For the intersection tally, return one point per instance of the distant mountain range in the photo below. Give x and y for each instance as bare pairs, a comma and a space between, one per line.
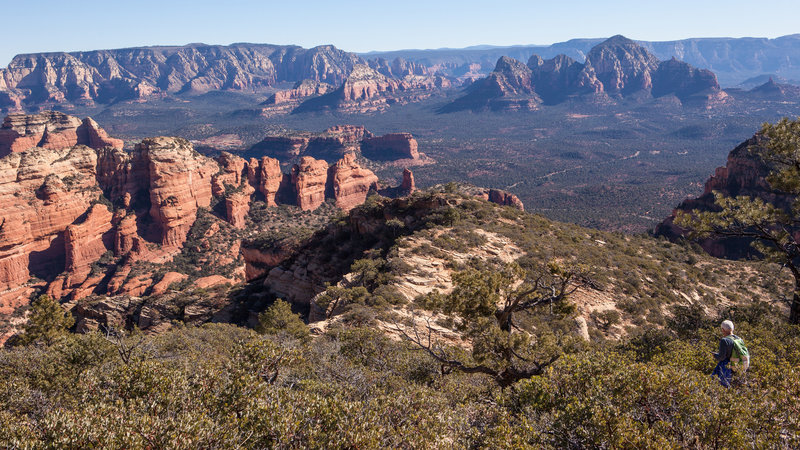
733, 60
613, 69
326, 78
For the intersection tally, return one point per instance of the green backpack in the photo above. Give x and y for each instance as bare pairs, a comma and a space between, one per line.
740, 357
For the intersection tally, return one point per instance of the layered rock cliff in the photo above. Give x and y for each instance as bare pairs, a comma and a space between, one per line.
283, 102
42, 192
367, 90
351, 182
107, 76
309, 178
77, 221
335, 142
51, 130
179, 184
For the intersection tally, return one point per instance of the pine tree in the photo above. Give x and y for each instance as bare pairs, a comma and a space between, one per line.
46, 322
279, 319
774, 230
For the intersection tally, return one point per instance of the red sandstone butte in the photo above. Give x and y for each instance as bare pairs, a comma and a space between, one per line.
309, 178
237, 205
270, 180
351, 182
390, 147
503, 198
180, 182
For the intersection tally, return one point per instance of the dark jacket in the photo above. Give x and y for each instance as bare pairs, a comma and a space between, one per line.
725, 348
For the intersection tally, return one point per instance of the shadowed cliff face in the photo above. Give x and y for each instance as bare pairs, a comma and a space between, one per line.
743, 175
621, 65
508, 87
614, 69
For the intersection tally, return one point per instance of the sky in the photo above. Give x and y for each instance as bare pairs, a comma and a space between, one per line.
359, 25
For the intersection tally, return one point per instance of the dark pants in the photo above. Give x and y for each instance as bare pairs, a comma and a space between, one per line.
724, 373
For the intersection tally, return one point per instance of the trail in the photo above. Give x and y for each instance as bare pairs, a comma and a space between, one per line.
570, 169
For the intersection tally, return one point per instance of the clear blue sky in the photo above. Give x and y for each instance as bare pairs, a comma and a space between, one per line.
360, 25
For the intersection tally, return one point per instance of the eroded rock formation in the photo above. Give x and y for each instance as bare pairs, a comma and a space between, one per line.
309, 178
614, 69
503, 198
743, 174
81, 221
335, 142
42, 192
390, 147
51, 130
351, 182
107, 76
366, 89
508, 87
179, 183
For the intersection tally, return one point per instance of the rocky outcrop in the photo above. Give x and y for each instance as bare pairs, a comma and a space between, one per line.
408, 186
51, 130
367, 90
398, 68
87, 240
96, 137
167, 280
60, 234
508, 87
180, 182
743, 175
621, 65
390, 147
330, 145
773, 91
503, 198
108, 76
301, 90
692, 86
557, 78
259, 261
351, 182
283, 102
231, 175
283, 147
309, 178
154, 313
271, 180
237, 205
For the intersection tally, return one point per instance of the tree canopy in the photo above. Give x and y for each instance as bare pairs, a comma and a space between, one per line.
774, 230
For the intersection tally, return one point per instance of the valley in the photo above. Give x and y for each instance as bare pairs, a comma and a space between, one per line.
271, 246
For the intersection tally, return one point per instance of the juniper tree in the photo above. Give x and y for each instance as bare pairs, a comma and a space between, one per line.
487, 303
775, 230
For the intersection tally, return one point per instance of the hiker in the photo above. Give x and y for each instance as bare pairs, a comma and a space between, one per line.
732, 355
